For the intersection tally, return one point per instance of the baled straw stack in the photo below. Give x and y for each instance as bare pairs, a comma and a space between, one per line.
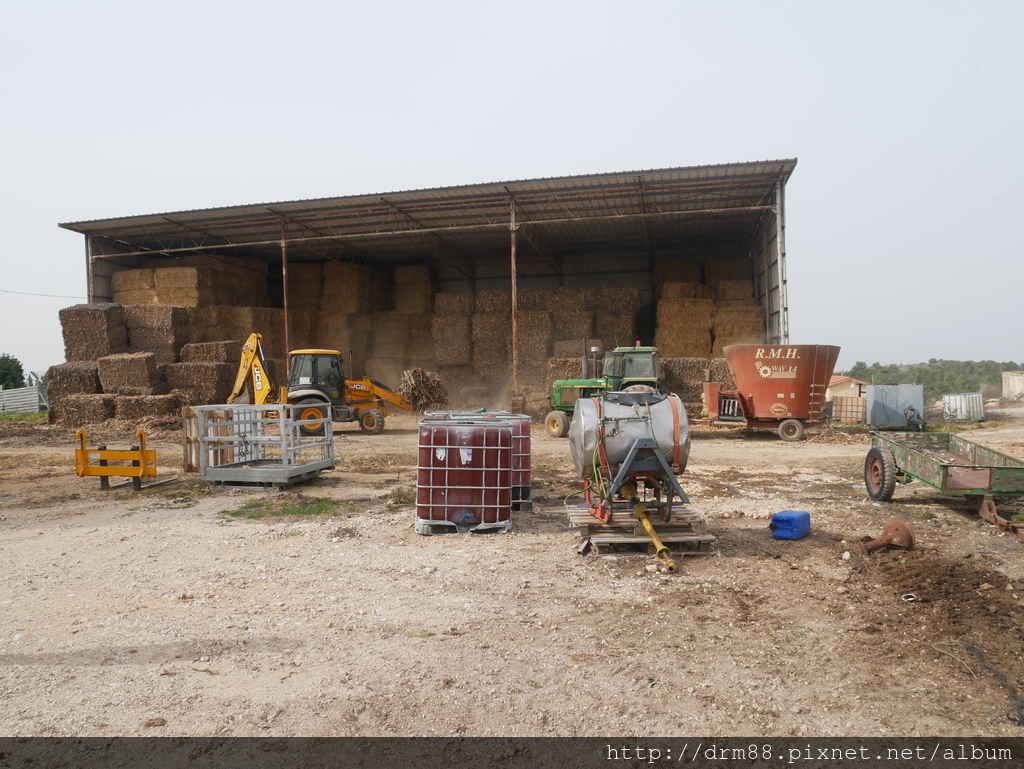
133, 373
305, 285
729, 268
686, 376
534, 342
158, 329
72, 379
456, 380
461, 304
423, 389
675, 271
192, 286
225, 351
349, 334
414, 289
135, 408
391, 332
352, 288
732, 289
684, 328
387, 371
452, 337
200, 384
738, 325
616, 329
210, 280
613, 298
535, 300
134, 287
572, 312
491, 339
81, 410
494, 302
92, 331
563, 368
680, 290
573, 348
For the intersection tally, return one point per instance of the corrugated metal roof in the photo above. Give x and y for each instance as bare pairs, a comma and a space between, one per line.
623, 211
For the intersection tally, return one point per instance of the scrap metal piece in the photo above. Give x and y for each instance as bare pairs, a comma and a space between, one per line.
896, 535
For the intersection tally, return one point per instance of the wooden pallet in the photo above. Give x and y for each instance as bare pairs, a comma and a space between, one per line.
684, 534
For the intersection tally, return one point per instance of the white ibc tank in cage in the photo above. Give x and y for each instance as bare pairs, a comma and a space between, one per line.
617, 420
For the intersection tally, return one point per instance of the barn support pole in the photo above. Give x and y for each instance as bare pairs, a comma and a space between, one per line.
515, 306
780, 256
91, 293
284, 290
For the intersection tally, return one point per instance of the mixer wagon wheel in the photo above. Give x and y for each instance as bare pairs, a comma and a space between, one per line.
791, 430
880, 474
557, 424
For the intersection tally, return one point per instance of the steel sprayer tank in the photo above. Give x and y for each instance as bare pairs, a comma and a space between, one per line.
614, 422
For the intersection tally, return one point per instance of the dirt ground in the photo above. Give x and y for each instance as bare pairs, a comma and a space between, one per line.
162, 613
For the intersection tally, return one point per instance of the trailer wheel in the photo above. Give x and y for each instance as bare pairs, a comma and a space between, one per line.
371, 422
880, 474
791, 430
557, 424
312, 409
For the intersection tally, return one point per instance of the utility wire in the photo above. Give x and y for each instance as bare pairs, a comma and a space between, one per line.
26, 293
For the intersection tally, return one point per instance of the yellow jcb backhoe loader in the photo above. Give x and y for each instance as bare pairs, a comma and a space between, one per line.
318, 384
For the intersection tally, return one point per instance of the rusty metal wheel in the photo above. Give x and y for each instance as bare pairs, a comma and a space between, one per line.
880, 474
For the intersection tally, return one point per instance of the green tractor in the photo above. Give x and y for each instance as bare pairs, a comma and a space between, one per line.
625, 368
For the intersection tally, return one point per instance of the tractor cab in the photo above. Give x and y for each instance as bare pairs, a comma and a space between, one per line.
319, 371
628, 366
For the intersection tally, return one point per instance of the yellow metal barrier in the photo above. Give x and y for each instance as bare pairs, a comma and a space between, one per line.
143, 461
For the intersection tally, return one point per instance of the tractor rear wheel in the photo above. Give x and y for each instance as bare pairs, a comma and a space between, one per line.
557, 424
311, 408
371, 421
791, 430
880, 474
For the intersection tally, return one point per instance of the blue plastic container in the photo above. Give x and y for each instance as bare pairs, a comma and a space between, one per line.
790, 524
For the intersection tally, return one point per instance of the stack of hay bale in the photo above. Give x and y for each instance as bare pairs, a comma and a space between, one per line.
713, 307
158, 329
206, 373
452, 337
401, 339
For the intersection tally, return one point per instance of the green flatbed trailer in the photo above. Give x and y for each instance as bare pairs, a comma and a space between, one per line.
947, 463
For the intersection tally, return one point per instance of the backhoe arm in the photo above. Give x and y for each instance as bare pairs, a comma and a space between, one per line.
363, 390
252, 371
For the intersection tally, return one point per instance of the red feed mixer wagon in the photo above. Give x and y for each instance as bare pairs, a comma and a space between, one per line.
773, 386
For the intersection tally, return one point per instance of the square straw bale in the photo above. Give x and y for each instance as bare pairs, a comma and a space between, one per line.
413, 273
387, 371
352, 288
81, 410
625, 298
452, 340
391, 331
680, 290
132, 280
679, 341
569, 348
491, 339
729, 268
675, 271
72, 379
133, 373
135, 408
563, 368
732, 289
202, 383
494, 302
225, 351
92, 331
455, 303
414, 298
534, 337
535, 300
617, 329
686, 376
305, 286
693, 313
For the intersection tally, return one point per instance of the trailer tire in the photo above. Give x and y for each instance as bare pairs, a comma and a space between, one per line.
880, 474
312, 408
557, 424
371, 422
791, 430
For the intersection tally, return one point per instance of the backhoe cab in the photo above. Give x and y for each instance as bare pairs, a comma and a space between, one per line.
317, 383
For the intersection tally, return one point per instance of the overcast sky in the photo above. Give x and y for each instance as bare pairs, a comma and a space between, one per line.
903, 242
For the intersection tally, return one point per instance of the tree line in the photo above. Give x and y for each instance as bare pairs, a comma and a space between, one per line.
939, 377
